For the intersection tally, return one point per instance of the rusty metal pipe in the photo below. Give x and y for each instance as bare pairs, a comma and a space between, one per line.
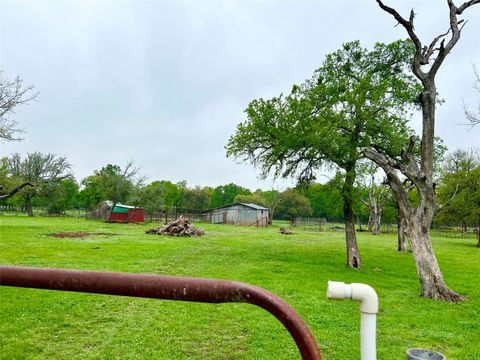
167, 288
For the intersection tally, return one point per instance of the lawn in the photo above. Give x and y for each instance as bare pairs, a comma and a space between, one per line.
42, 324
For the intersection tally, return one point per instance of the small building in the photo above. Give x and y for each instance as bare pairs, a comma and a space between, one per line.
120, 213
240, 214
126, 213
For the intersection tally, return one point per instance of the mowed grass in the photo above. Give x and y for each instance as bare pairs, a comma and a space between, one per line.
42, 324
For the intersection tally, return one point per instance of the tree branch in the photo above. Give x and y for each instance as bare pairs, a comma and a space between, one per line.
392, 178
411, 170
14, 191
408, 25
441, 206
428, 52
445, 49
466, 5
365, 202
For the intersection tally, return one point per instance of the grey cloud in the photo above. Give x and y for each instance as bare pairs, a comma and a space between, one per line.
165, 83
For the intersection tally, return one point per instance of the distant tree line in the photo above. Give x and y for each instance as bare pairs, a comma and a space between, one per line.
54, 189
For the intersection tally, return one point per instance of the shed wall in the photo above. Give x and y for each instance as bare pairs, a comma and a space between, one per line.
133, 215
240, 215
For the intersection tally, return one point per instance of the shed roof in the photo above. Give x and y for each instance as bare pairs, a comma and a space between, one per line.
252, 206
118, 205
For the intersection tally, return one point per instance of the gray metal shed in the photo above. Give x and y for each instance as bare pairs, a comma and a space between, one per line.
240, 214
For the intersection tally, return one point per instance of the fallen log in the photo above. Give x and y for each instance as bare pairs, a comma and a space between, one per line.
285, 231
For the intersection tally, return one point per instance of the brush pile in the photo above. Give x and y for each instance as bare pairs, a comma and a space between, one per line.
179, 227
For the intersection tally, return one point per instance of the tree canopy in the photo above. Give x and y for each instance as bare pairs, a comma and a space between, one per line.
358, 97
355, 99
292, 204
459, 190
111, 182
225, 194
41, 170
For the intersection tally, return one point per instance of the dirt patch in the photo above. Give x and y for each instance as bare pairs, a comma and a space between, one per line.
78, 234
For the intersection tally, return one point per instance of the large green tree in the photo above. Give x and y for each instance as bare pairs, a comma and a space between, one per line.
61, 196
356, 98
292, 204
459, 190
41, 170
225, 194
425, 64
9, 185
256, 198
110, 183
162, 195
196, 199
326, 199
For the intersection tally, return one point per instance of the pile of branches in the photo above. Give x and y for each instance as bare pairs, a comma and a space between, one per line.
179, 227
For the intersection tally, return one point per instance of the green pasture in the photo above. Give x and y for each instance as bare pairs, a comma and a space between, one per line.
41, 324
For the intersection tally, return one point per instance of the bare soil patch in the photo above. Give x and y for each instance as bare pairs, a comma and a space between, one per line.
78, 234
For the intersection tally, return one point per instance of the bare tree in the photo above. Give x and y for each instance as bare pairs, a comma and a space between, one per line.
426, 63
12, 94
376, 197
473, 117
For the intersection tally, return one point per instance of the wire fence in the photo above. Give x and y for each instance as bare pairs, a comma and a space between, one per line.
323, 224
304, 223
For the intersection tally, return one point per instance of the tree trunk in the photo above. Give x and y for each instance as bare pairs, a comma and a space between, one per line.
28, 205
418, 226
270, 213
375, 215
370, 220
353, 255
431, 278
377, 220
359, 222
401, 229
478, 235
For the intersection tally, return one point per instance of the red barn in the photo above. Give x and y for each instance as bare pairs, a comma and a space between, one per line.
126, 213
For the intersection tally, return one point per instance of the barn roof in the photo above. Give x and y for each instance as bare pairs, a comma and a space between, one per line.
252, 206
118, 205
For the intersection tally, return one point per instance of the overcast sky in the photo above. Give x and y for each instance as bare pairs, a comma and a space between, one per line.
166, 83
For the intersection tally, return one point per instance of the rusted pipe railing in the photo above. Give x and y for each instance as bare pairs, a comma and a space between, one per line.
168, 288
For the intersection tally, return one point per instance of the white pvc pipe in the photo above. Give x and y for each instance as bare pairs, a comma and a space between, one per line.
368, 327
368, 307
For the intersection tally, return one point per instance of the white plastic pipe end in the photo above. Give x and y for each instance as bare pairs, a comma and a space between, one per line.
364, 293
337, 290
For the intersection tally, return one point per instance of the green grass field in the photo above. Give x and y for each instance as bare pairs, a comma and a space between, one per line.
41, 324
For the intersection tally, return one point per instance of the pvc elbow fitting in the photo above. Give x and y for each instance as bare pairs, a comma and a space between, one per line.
364, 293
